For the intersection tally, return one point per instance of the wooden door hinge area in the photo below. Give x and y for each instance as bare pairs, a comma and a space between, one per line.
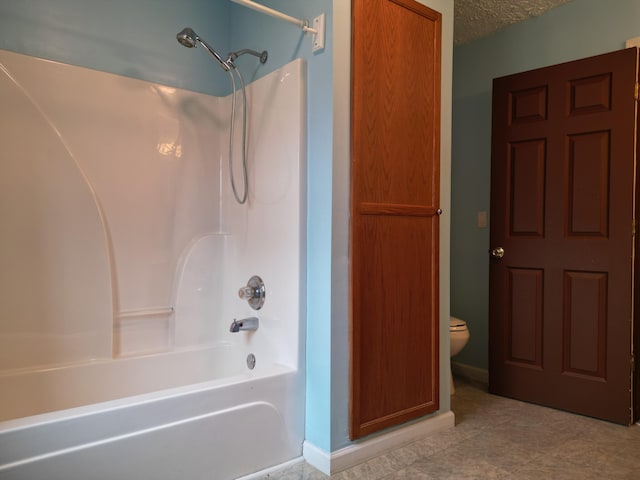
637, 93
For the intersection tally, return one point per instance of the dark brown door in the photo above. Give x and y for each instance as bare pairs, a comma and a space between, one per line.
562, 235
394, 222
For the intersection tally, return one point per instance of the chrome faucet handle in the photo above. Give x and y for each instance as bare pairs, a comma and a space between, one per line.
254, 292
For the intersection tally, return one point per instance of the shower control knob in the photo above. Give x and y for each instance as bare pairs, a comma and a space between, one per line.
254, 292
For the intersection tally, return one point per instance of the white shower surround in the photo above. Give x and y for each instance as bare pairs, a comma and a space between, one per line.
138, 217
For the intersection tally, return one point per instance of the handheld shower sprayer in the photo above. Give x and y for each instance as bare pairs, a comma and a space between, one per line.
188, 38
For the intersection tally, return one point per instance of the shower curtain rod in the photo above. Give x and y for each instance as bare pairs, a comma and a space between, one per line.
303, 24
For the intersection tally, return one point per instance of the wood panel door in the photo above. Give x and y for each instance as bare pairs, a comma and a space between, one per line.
394, 222
562, 235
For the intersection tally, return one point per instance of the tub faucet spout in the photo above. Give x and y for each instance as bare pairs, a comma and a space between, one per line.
245, 324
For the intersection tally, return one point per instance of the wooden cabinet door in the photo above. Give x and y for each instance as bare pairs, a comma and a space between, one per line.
394, 221
562, 211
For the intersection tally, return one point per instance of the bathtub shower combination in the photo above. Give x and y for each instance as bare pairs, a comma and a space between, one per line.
125, 349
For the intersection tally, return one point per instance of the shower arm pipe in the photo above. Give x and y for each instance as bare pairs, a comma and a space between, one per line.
303, 24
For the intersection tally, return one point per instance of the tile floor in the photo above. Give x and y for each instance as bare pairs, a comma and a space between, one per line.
499, 438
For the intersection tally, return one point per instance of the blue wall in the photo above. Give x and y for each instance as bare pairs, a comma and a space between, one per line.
137, 39
577, 29
132, 38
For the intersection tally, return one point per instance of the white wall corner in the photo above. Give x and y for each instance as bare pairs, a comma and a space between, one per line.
361, 451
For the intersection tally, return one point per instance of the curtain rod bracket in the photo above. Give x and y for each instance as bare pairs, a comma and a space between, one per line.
307, 29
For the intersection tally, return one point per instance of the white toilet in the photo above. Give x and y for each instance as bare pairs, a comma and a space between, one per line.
459, 335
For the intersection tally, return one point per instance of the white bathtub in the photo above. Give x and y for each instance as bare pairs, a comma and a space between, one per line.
193, 426
120, 272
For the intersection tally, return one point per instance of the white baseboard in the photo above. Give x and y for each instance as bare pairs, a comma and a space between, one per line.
472, 373
319, 458
359, 452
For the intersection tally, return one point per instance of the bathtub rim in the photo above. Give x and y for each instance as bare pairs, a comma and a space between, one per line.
78, 412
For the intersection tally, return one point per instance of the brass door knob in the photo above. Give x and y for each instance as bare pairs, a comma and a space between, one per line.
497, 252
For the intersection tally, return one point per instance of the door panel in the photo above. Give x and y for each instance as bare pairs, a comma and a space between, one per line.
527, 167
398, 371
524, 322
585, 322
588, 184
395, 174
562, 208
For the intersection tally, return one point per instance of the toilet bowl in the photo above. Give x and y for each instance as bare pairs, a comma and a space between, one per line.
459, 335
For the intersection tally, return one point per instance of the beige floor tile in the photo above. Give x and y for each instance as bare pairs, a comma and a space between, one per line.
499, 438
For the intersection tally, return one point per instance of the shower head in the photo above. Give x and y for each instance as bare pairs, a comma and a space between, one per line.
188, 38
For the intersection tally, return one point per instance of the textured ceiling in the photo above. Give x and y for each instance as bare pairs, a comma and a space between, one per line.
478, 18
